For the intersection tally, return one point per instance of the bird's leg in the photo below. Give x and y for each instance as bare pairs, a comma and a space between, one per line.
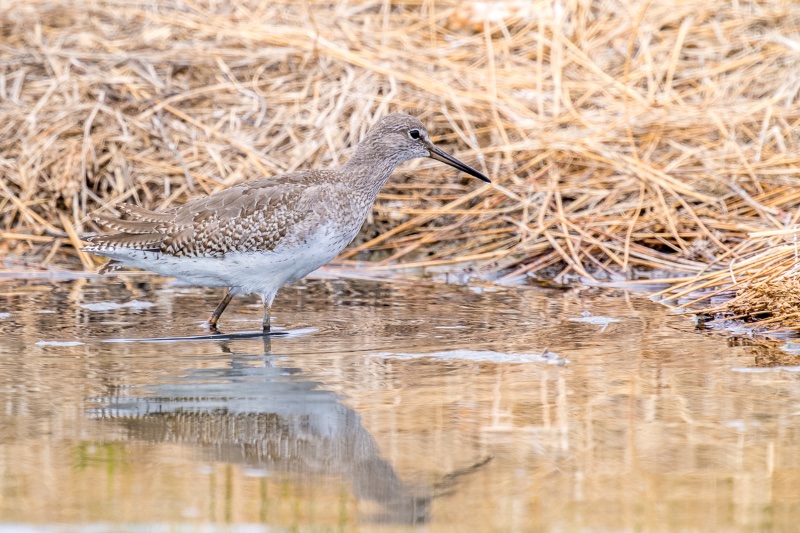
265, 322
212, 321
266, 300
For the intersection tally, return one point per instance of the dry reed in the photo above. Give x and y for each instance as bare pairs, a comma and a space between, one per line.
761, 290
623, 137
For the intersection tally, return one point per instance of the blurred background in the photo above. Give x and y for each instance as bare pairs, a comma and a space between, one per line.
623, 136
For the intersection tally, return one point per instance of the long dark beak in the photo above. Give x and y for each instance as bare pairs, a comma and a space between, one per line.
444, 157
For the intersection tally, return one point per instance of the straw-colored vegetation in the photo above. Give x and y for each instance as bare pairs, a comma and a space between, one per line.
622, 136
762, 289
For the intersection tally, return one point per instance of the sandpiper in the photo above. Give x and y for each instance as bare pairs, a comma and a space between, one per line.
261, 235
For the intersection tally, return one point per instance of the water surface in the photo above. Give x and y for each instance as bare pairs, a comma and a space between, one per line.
391, 406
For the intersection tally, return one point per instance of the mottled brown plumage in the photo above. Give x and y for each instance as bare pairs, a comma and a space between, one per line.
263, 234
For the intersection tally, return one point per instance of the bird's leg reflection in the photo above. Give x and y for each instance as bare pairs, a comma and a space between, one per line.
225, 346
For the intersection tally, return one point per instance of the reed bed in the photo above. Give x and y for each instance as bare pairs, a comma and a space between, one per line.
625, 139
761, 291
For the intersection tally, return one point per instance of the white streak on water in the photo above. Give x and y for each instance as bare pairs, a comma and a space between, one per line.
602, 321
480, 356
136, 305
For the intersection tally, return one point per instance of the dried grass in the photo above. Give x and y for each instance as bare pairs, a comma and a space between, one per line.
622, 136
762, 290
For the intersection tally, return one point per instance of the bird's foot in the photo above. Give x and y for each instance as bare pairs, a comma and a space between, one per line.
211, 324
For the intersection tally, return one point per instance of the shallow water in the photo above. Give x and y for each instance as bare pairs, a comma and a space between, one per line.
392, 406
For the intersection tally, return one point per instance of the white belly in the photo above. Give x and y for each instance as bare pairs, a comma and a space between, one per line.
244, 272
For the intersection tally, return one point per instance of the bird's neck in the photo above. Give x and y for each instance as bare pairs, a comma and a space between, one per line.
369, 170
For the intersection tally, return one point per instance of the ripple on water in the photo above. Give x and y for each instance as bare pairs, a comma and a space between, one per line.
510, 409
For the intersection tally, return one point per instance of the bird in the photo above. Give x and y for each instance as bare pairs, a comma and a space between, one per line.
261, 235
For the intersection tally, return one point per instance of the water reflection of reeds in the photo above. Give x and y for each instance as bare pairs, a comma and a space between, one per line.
646, 428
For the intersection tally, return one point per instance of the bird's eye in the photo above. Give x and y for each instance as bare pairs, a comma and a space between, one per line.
414, 134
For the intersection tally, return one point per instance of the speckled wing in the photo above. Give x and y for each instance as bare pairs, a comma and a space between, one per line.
255, 216
252, 217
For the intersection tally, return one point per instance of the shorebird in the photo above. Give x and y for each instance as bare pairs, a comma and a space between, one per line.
261, 235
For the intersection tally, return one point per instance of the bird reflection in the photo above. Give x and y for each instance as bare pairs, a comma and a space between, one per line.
260, 415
